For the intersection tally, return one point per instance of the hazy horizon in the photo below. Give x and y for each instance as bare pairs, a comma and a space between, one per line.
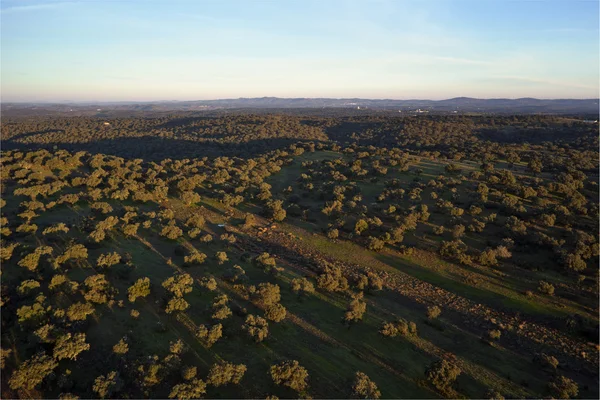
148, 51
282, 98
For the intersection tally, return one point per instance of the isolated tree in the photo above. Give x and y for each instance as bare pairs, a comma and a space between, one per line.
69, 346
108, 260
209, 336
442, 374
433, 312
355, 310
563, 388
189, 373
98, 289
333, 233
27, 286
194, 258
492, 394
267, 262
332, 279
221, 257
141, 288
401, 327
267, 294
209, 283
176, 304
274, 209
195, 221
375, 244
193, 389
276, 313
179, 284
364, 388
361, 226
302, 286
171, 231
31, 260
546, 288
32, 372
4, 354
177, 347
535, 165
225, 373
108, 385
79, 311
189, 197
290, 374
121, 347
74, 252
220, 309
257, 327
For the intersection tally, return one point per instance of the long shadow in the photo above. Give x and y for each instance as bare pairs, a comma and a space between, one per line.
32, 134
539, 314
153, 148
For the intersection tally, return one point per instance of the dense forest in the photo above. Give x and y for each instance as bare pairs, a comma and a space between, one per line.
299, 255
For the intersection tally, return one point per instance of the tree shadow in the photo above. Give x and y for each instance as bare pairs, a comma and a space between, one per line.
153, 148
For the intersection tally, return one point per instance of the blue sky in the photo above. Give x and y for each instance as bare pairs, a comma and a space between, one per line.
104, 50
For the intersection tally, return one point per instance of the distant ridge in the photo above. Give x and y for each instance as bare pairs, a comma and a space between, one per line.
461, 105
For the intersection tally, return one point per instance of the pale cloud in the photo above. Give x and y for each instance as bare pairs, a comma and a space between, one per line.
538, 81
36, 7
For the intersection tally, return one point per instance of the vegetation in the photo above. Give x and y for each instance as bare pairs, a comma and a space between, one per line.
234, 255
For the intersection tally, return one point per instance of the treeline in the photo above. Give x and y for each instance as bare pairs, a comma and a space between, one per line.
192, 135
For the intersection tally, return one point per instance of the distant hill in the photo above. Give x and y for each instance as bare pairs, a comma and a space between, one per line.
458, 105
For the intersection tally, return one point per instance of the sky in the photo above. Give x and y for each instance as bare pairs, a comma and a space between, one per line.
147, 50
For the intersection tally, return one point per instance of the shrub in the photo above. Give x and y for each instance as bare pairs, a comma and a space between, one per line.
494, 334
433, 312
546, 288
